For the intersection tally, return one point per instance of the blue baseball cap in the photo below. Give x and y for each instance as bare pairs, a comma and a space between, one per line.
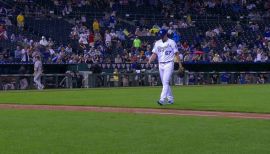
162, 32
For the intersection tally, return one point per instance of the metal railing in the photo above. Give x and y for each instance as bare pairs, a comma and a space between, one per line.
205, 78
89, 80
26, 81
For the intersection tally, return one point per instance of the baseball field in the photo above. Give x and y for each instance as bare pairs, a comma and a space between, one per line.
128, 120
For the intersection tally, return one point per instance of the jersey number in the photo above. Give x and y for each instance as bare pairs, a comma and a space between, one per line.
168, 52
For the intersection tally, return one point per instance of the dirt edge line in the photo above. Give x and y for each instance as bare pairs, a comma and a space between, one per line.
174, 112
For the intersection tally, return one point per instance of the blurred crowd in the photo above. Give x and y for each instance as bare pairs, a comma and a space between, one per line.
108, 40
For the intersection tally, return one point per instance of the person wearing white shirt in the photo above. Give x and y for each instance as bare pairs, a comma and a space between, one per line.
108, 38
52, 52
113, 34
24, 54
83, 39
165, 50
259, 56
68, 49
43, 41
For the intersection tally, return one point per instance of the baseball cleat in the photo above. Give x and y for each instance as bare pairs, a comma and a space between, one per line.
170, 102
160, 102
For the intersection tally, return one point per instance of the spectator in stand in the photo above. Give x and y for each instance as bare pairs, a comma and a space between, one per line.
26, 10
118, 59
3, 11
164, 26
18, 54
209, 33
108, 38
74, 34
7, 22
137, 42
43, 42
148, 52
91, 40
239, 51
46, 55
127, 33
96, 27
3, 33
258, 56
83, 38
50, 42
13, 37
68, 49
248, 59
82, 48
112, 20
52, 52
83, 20
113, 35
154, 30
216, 58
120, 35
2, 58
98, 37
264, 57
20, 21
145, 32
185, 46
66, 10
182, 24
267, 34
138, 32
25, 54
176, 37
254, 26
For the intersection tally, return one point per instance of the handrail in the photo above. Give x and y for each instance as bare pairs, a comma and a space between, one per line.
111, 64
29, 75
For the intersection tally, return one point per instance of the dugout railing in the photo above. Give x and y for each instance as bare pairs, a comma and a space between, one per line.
187, 78
89, 80
203, 78
26, 81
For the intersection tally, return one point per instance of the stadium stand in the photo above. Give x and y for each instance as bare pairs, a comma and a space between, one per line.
211, 32
206, 31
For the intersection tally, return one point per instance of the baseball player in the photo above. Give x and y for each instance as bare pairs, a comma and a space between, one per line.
166, 50
38, 72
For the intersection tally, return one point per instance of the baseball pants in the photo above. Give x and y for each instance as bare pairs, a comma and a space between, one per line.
37, 80
165, 71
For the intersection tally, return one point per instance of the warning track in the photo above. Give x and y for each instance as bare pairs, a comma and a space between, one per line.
173, 112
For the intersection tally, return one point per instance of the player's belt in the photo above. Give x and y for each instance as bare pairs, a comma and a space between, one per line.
165, 62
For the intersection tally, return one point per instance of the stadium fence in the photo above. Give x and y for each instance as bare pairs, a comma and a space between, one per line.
87, 79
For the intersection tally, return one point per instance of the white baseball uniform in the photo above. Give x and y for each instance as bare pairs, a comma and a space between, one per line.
37, 74
165, 52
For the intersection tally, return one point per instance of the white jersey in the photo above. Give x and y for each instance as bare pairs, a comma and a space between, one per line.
38, 67
165, 50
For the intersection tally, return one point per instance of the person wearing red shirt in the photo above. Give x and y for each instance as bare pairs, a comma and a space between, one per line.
91, 40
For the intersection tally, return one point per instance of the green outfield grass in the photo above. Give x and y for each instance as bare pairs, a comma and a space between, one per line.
32, 132
247, 98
